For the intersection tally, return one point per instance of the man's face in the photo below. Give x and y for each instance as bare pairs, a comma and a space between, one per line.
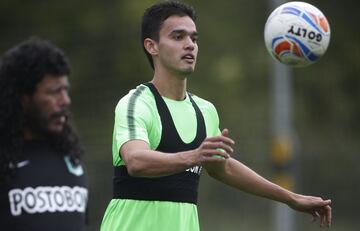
45, 110
177, 44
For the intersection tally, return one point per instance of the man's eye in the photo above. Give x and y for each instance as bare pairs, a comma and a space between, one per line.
57, 91
177, 37
53, 91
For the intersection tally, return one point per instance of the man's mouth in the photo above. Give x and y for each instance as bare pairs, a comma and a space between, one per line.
61, 116
188, 57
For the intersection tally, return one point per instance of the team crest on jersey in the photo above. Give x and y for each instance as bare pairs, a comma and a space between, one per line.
77, 170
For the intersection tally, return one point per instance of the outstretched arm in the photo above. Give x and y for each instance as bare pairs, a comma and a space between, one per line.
237, 175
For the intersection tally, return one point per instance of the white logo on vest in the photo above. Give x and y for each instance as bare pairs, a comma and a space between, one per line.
196, 169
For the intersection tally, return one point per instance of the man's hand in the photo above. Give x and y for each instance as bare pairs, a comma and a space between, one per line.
214, 149
316, 206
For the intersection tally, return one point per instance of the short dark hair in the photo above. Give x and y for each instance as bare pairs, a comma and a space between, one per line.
21, 69
154, 17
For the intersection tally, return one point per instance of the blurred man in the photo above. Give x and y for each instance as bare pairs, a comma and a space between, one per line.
164, 136
43, 185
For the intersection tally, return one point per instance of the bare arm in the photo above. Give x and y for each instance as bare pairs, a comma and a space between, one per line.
143, 162
237, 175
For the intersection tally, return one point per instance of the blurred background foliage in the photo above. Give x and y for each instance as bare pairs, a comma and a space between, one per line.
102, 40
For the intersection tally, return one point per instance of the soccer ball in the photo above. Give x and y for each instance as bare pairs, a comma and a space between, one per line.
297, 34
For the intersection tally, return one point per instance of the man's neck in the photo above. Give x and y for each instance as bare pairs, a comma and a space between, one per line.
170, 86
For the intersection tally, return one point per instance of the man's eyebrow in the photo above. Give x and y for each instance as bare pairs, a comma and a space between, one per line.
182, 31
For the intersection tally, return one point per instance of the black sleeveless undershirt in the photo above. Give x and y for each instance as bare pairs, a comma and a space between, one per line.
181, 187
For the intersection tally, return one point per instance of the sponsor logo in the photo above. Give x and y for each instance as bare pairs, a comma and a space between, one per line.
48, 199
195, 169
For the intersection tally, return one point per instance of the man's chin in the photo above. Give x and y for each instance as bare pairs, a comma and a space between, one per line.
56, 129
188, 71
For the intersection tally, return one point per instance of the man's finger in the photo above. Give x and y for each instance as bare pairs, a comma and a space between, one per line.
328, 215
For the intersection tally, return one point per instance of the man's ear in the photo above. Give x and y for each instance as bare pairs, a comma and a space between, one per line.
151, 46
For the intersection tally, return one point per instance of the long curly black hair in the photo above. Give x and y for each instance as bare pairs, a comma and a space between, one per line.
21, 69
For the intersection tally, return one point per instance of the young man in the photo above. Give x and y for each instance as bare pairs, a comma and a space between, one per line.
42, 181
164, 136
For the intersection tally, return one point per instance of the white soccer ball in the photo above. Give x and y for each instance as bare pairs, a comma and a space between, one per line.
297, 34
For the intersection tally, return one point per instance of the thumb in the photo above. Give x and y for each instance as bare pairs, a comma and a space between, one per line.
225, 132
327, 202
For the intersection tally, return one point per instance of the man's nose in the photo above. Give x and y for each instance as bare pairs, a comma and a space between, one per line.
65, 99
189, 44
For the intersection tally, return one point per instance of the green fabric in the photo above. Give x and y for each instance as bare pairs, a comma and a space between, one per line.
132, 215
136, 117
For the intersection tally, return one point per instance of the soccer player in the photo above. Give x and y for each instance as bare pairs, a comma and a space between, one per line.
43, 184
165, 136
